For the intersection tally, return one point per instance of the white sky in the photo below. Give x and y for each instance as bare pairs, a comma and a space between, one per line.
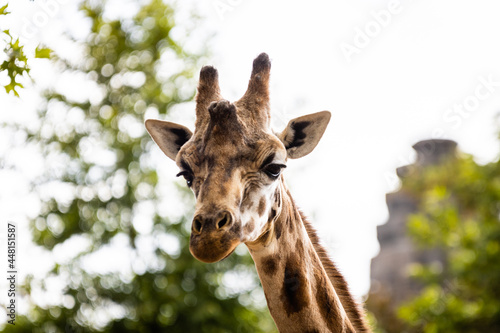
402, 85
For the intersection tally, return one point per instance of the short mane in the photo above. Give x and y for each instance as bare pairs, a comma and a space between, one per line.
353, 310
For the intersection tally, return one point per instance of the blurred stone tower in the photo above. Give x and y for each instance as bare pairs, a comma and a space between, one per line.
390, 283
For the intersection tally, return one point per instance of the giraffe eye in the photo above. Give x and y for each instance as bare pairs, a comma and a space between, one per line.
273, 170
188, 176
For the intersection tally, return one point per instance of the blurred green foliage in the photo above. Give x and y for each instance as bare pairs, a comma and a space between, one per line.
16, 64
459, 215
98, 154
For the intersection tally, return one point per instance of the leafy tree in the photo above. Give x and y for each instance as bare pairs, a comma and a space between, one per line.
15, 63
99, 190
459, 214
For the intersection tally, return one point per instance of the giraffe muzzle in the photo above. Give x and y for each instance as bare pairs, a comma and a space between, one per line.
214, 237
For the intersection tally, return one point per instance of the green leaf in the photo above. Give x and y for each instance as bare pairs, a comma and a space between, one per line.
3, 10
12, 87
5, 65
42, 52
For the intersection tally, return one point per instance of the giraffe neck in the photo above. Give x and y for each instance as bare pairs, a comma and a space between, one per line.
299, 292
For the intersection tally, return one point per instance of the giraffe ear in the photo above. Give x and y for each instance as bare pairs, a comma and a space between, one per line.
302, 134
170, 137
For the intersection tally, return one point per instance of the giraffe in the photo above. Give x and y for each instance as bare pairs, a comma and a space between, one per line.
233, 163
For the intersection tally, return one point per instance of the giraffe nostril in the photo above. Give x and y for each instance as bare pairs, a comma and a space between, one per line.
197, 225
224, 221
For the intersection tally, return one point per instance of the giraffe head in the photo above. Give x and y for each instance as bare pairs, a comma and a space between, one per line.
233, 161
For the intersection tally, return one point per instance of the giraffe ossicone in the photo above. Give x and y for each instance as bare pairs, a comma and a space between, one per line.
234, 163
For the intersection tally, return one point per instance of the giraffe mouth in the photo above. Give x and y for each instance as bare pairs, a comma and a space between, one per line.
213, 247
210, 251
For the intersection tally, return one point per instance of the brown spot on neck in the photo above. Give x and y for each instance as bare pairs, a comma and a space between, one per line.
270, 265
294, 292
